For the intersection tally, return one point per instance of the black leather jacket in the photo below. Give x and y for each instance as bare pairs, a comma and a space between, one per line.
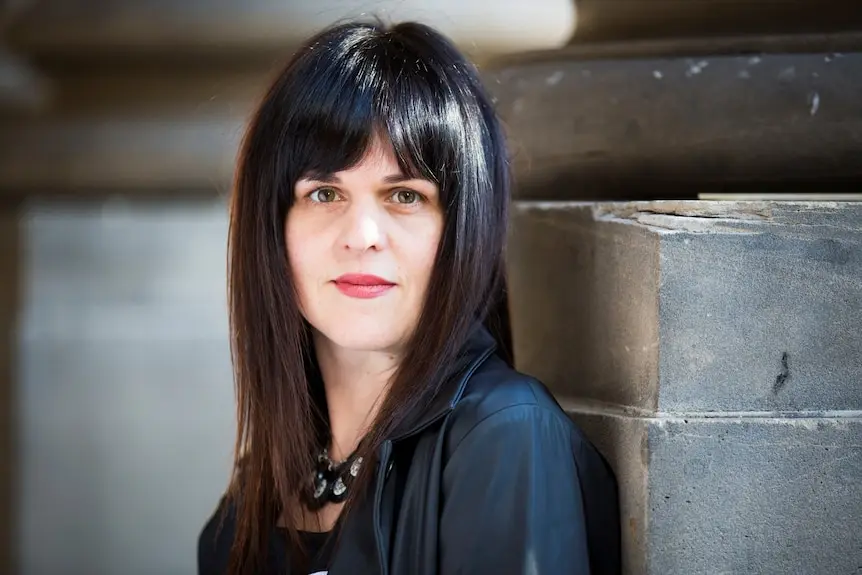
492, 479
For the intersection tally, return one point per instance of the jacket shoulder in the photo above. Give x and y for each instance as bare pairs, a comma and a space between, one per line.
496, 387
510, 450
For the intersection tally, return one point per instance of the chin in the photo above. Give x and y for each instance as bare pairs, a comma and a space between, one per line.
364, 334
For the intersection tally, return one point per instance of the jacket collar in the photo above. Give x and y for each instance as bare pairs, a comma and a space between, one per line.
479, 346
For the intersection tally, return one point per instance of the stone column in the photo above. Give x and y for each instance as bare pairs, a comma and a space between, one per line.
713, 352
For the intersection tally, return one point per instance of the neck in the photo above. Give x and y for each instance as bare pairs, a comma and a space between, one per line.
355, 383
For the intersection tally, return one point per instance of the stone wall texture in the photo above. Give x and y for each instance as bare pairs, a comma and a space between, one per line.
713, 352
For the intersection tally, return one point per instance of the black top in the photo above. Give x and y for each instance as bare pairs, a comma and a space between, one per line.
318, 546
319, 549
217, 536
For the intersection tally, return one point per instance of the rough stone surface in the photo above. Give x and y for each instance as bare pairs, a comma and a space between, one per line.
768, 321
711, 351
584, 303
677, 126
764, 496
735, 494
692, 306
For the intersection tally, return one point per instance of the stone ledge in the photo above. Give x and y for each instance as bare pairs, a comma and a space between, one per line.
584, 128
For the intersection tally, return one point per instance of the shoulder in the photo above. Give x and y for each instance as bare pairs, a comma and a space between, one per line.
508, 424
496, 385
499, 400
510, 450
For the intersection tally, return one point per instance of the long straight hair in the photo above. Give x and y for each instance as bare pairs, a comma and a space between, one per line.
345, 86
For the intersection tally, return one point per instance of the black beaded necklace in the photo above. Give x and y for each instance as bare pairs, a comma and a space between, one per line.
331, 480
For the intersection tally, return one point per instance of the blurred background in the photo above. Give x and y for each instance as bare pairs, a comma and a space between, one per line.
119, 121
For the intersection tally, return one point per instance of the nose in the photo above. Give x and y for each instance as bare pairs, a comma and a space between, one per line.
364, 228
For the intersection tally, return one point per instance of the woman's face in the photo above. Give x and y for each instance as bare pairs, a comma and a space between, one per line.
361, 245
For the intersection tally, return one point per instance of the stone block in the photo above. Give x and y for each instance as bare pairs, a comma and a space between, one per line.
738, 494
755, 495
691, 306
711, 352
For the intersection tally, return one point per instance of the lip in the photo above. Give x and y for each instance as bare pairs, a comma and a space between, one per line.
362, 286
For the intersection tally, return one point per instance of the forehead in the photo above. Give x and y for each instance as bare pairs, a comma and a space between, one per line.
379, 155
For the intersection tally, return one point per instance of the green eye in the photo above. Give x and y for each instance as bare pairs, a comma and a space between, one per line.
323, 195
405, 197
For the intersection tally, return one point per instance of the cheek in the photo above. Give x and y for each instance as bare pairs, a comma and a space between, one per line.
425, 254
298, 257
291, 243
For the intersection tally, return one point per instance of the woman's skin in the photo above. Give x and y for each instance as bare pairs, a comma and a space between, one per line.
369, 220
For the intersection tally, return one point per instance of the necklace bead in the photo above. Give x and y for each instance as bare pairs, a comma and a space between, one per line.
331, 480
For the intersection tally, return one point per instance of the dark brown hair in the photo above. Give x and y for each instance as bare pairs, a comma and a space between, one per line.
342, 87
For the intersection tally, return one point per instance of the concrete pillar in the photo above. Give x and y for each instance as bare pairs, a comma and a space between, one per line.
713, 352
125, 397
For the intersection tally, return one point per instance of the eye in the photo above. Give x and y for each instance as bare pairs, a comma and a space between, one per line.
323, 195
406, 197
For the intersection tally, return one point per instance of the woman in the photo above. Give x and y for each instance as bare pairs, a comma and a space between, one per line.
381, 427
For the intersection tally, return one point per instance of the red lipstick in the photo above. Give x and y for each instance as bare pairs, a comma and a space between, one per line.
362, 286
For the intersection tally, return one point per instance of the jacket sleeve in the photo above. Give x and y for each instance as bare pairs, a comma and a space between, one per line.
514, 499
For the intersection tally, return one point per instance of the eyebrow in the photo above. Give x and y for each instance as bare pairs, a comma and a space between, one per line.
333, 179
